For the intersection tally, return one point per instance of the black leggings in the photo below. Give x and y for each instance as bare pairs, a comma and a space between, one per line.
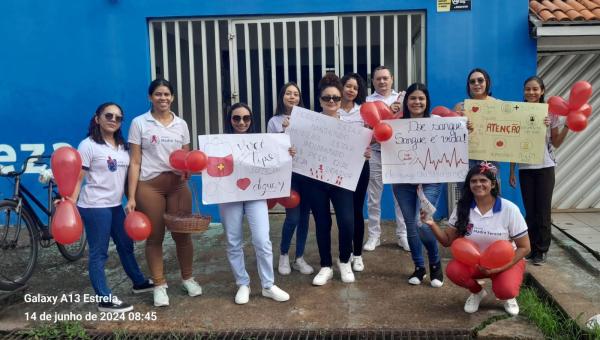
359, 202
537, 186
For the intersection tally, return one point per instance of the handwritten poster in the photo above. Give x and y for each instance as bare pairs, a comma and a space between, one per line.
328, 149
426, 150
507, 131
245, 167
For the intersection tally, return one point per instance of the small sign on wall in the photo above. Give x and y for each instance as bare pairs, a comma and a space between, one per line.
453, 5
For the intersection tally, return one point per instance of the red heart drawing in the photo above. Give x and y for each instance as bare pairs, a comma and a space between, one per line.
500, 143
475, 109
243, 183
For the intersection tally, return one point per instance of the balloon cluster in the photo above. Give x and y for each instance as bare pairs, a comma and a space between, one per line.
577, 110
498, 254
192, 161
66, 226
289, 202
443, 111
373, 113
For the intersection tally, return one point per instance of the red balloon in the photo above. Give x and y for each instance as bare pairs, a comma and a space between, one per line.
196, 161
577, 122
581, 92
385, 112
292, 201
383, 132
452, 114
586, 110
66, 166
177, 159
271, 203
370, 114
465, 251
137, 226
498, 254
66, 224
558, 106
441, 111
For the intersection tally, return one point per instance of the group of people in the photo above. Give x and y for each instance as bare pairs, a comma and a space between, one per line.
139, 168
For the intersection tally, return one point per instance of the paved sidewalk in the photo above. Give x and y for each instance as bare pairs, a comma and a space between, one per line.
582, 227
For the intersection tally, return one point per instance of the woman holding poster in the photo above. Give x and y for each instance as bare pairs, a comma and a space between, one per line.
154, 188
483, 217
353, 94
239, 120
417, 105
537, 180
290, 96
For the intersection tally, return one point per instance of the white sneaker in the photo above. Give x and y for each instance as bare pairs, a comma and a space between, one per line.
324, 275
511, 307
403, 243
160, 296
346, 272
243, 295
371, 243
284, 264
303, 267
192, 287
472, 304
275, 293
357, 264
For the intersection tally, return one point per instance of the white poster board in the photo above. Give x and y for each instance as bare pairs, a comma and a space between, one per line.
426, 150
245, 167
328, 149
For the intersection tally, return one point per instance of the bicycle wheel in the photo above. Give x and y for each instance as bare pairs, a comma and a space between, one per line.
18, 246
75, 250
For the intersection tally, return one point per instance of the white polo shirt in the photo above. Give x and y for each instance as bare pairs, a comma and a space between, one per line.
503, 222
353, 116
106, 173
157, 142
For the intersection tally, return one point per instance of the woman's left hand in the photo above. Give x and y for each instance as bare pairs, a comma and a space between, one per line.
489, 272
292, 151
396, 107
367, 153
547, 120
470, 126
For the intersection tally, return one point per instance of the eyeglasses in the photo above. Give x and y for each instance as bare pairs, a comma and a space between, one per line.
330, 98
237, 119
112, 116
476, 81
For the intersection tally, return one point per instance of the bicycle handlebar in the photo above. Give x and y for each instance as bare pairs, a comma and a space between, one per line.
24, 166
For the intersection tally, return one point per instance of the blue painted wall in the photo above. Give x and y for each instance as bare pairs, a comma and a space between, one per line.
61, 59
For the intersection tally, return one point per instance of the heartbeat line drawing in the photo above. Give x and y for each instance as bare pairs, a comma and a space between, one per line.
454, 160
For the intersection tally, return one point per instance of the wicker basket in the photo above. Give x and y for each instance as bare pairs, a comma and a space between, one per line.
187, 223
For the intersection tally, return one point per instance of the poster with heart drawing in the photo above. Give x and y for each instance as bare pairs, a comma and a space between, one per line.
245, 167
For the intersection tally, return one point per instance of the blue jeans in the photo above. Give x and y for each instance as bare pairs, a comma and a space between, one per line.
406, 194
297, 216
100, 225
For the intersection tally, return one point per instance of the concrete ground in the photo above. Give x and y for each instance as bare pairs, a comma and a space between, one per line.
380, 299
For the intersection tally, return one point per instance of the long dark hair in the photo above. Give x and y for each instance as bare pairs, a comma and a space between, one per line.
362, 86
412, 88
228, 127
540, 83
94, 128
280, 108
463, 207
488, 81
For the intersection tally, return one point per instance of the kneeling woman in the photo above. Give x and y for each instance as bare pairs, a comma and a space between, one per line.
239, 120
483, 217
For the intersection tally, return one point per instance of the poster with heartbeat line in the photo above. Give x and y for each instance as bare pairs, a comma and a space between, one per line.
507, 131
426, 150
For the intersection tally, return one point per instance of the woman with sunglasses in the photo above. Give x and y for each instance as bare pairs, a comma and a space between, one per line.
353, 95
417, 105
239, 121
321, 195
483, 217
537, 180
290, 96
104, 166
155, 188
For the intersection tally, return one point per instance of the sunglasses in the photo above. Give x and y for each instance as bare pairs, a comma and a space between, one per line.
238, 119
330, 98
476, 81
111, 116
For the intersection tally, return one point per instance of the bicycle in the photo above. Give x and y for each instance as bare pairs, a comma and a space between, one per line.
22, 229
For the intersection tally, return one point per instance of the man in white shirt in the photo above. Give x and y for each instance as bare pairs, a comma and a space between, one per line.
382, 82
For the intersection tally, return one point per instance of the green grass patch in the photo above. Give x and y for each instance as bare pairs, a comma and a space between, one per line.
59, 330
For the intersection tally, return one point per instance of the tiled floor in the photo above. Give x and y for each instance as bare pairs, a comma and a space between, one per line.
585, 227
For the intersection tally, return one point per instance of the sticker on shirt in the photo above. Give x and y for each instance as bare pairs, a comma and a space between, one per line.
154, 140
112, 164
469, 229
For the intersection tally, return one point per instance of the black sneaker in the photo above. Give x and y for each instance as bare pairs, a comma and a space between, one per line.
417, 276
437, 275
530, 256
539, 259
115, 306
147, 286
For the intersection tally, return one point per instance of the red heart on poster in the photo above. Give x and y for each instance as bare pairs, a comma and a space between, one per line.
243, 183
475, 108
